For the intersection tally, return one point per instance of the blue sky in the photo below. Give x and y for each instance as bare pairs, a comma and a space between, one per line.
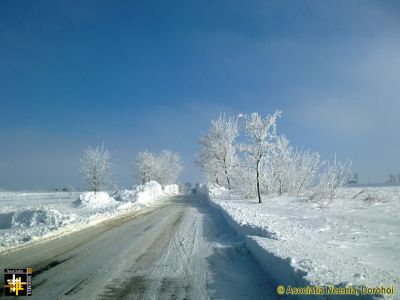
152, 74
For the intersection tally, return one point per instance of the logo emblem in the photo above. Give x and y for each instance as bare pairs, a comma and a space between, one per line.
18, 282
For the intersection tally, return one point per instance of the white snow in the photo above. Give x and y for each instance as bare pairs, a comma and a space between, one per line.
171, 189
353, 241
35, 217
27, 217
148, 192
126, 195
96, 199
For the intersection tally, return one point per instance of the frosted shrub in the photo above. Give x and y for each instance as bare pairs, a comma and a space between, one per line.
335, 175
304, 169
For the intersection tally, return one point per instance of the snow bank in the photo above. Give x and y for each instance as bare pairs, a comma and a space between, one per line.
171, 189
148, 192
126, 196
96, 199
354, 242
27, 217
35, 217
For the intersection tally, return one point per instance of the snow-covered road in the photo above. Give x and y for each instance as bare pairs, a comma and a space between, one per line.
182, 249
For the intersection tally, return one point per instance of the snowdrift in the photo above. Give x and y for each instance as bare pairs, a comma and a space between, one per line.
171, 189
34, 217
126, 196
27, 217
147, 193
96, 199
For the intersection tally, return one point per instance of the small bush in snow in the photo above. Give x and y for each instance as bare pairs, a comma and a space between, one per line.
335, 175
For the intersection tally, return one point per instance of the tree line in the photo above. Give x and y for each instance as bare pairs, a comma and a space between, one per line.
265, 162
243, 153
97, 168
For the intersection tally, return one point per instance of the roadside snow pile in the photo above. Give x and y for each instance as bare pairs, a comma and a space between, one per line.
126, 196
147, 193
35, 217
27, 217
171, 189
96, 199
353, 242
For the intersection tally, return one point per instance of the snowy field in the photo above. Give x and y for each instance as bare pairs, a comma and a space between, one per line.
30, 217
354, 240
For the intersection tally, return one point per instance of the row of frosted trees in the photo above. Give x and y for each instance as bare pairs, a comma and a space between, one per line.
265, 162
96, 168
164, 168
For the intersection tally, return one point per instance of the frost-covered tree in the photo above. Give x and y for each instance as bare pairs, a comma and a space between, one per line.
304, 169
262, 134
267, 163
288, 171
96, 168
217, 154
208, 166
164, 168
280, 165
245, 177
145, 166
169, 167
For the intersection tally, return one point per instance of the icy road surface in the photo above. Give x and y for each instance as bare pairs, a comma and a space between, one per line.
181, 249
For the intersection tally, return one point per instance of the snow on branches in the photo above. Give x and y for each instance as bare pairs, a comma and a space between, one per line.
217, 154
96, 168
334, 175
164, 168
267, 163
262, 134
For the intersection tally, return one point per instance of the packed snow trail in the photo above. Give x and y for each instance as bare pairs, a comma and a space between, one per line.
182, 249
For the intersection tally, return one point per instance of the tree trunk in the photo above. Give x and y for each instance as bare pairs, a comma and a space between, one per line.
301, 185
258, 182
226, 174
